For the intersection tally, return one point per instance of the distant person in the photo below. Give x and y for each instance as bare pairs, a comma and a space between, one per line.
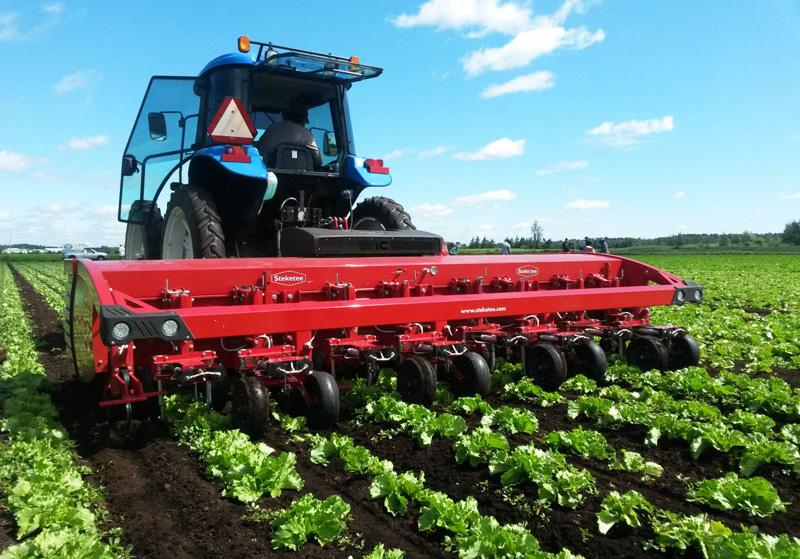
604, 245
452, 248
570, 246
565, 246
587, 247
505, 248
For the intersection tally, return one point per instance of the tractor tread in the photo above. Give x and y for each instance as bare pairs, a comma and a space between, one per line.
211, 237
390, 213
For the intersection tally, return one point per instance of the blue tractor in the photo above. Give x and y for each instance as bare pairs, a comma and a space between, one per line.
255, 157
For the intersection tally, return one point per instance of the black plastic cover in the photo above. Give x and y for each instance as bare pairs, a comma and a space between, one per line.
314, 241
142, 325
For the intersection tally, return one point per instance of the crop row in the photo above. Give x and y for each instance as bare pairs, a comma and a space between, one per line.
57, 513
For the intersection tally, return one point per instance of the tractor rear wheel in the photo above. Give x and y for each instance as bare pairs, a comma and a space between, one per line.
380, 214
250, 406
323, 406
471, 375
683, 352
143, 233
416, 380
588, 358
647, 353
547, 365
193, 227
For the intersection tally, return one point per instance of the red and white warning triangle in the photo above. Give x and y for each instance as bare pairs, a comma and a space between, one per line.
232, 124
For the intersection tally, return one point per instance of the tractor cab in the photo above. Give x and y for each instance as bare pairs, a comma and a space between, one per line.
261, 145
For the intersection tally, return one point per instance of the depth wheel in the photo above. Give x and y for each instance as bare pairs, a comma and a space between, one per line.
143, 232
588, 358
647, 353
381, 214
323, 405
471, 374
547, 365
683, 352
416, 380
193, 227
250, 406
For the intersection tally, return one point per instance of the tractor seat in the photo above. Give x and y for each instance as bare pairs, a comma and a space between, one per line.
292, 157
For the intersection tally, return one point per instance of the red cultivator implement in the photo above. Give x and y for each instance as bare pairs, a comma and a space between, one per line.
248, 328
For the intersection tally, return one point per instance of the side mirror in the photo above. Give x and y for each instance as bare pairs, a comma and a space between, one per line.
157, 123
129, 165
329, 146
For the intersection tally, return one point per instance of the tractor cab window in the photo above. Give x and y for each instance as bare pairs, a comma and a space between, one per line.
272, 97
161, 138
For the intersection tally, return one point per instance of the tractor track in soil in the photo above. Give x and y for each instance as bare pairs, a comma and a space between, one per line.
155, 489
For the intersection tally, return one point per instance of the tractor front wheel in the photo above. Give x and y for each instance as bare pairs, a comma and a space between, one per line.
323, 405
416, 380
143, 233
250, 406
193, 227
471, 375
380, 214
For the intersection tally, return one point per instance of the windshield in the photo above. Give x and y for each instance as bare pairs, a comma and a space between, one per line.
159, 151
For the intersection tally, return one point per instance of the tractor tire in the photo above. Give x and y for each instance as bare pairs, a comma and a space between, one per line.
323, 407
472, 374
546, 365
192, 227
250, 406
683, 352
587, 358
381, 214
416, 380
143, 239
647, 353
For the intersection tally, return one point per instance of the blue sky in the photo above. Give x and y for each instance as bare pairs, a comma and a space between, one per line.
594, 118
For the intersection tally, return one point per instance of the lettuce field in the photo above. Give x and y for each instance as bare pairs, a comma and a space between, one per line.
700, 462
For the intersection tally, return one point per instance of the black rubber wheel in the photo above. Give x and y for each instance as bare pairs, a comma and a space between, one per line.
323, 407
222, 390
647, 353
381, 214
250, 406
192, 227
587, 358
546, 365
416, 380
471, 374
143, 236
683, 352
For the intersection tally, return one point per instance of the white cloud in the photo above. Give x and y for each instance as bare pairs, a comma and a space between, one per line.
432, 211
584, 204
433, 152
398, 153
529, 45
562, 166
80, 144
53, 8
58, 223
789, 195
14, 162
499, 149
503, 195
536, 81
680, 194
532, 36
631, 131
12, 30
795, 138
77, 80
488, 16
